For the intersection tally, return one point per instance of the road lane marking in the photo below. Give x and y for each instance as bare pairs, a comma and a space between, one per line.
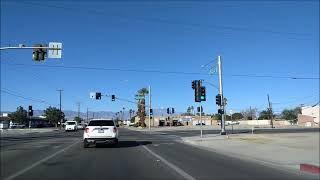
172, 166
18, 173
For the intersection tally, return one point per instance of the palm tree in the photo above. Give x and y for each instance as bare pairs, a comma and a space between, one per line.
140, 97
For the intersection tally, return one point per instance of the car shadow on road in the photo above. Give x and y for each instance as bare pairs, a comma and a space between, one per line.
124, 144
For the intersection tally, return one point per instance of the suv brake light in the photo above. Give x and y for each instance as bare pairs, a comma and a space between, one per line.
114, 129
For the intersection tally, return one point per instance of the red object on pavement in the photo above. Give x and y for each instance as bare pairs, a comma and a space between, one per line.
310, 168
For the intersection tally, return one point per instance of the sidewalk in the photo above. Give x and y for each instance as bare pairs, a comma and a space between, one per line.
287, 150
9, 132
209, 127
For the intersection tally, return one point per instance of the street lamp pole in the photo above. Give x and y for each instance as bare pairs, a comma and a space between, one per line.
222, 106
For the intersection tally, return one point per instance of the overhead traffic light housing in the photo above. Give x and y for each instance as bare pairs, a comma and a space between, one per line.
194, 84
39, 54
151, 111
218, 99
203, 93
172, 111
197, 91
113, 97
98, 95
220, 111
168, 110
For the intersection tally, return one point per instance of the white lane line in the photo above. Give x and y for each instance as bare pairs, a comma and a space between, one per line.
18, 173
172, 166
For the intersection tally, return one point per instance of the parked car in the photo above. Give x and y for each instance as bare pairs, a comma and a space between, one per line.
80, 126
71, 126
100, 131
199, 124
16, 125
232, 123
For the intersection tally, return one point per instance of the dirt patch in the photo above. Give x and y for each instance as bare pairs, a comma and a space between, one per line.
255, 140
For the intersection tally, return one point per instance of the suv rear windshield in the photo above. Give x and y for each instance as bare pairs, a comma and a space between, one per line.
101, 123
71, 123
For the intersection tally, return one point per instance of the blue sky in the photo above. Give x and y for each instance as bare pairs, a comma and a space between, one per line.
269, 38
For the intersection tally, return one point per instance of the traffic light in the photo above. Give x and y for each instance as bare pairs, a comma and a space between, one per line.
113, 97
30, 111
220, 111
39, 54
194, 84
203, 93
151, 111
218, 99
98, 95
197, 91
200, 109
172, 112
168, 110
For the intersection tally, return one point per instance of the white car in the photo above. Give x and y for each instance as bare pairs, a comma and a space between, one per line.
80, 126
71, 126
98, 131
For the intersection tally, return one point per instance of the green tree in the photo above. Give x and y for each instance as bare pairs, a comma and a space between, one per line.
291, 114
227, 117
53, 115
141, 98
265, 114
216, 117
78, 119
237, 116
19, 116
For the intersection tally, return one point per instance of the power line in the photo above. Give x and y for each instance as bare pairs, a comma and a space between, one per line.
163, 72
13, 93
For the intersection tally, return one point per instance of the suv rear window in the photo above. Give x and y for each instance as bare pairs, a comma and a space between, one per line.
101, 123
71, 123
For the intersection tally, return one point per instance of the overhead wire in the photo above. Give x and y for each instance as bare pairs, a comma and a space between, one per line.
16, 94
165, 72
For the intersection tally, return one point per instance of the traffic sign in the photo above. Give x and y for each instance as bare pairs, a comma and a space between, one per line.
57, 52
92, 95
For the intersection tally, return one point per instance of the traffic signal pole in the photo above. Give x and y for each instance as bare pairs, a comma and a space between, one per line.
223, 128
200, 120
149, 108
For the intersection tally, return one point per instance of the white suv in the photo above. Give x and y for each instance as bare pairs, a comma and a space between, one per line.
100, 131
71, 126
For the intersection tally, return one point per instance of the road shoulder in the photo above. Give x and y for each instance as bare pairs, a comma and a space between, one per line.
285, 151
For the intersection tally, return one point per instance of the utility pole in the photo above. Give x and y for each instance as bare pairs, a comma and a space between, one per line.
60, 92
251, 113
149, 108
87, 115
78, 103
270, 112
222, 106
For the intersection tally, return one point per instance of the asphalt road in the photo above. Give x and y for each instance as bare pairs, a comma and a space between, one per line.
60, 155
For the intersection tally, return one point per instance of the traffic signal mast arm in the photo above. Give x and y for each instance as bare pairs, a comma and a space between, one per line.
30, 47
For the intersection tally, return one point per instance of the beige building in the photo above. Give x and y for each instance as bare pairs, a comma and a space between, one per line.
309, 116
